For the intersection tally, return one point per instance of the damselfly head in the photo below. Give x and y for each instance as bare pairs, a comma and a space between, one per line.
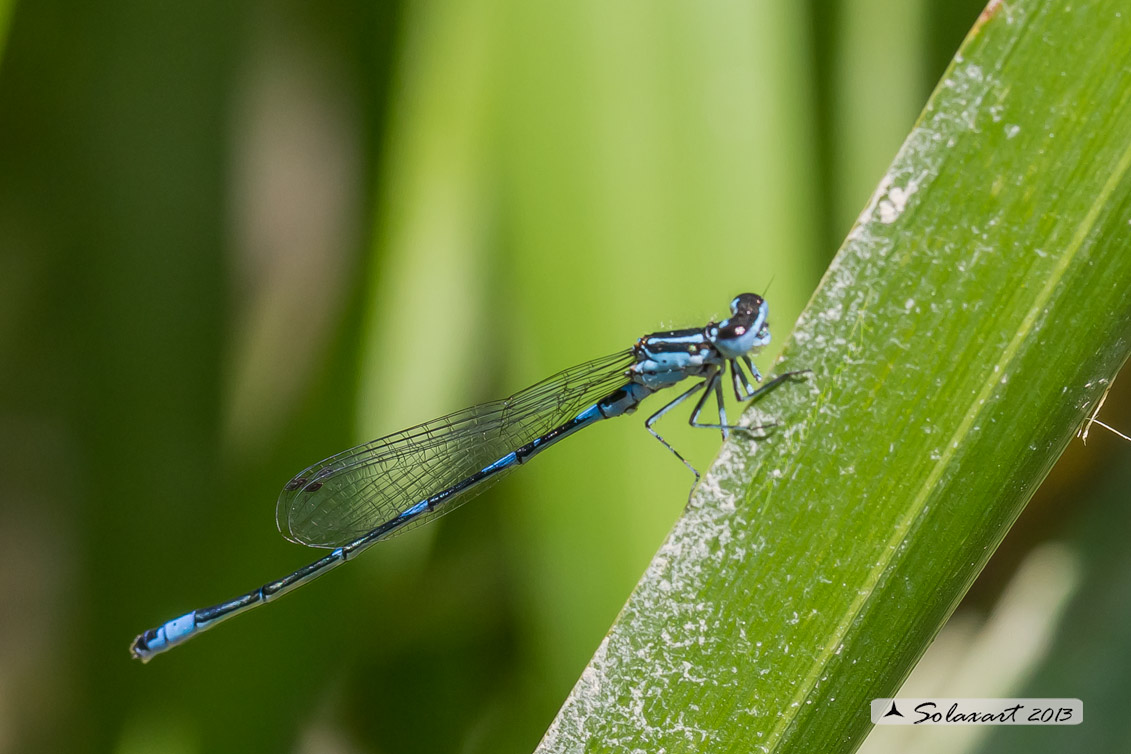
746, 304
745, 330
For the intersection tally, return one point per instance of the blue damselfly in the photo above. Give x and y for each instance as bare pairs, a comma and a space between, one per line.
356, 498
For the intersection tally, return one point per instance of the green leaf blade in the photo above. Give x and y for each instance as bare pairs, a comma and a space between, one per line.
976, 313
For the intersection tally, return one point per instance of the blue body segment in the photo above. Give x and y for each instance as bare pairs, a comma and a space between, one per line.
361, 496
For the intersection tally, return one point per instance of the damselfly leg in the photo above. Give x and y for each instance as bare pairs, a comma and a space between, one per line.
716, 379
743, 388
668, 407
712, 384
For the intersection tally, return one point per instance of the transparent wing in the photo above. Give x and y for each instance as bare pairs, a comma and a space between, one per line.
345, 496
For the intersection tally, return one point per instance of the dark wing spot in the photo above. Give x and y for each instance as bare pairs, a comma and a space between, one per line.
295, 483
313, 487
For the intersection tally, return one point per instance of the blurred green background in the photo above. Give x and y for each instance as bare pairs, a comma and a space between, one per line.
238, 237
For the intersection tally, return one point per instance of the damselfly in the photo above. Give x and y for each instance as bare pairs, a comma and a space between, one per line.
358, 497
